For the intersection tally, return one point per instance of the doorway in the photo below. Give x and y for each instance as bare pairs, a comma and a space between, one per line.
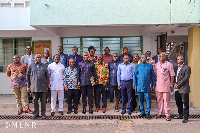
40, 47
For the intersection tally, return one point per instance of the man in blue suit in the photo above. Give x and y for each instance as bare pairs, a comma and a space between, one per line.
77, 58
143, 77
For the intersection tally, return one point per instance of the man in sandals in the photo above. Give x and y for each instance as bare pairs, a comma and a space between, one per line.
164, 85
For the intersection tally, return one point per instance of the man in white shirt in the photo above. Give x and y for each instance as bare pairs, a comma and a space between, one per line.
56, 71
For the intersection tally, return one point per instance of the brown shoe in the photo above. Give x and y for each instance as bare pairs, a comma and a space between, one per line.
116, 108
28, 111
104, 110
158, 116
97, 109
20, 111
168, 118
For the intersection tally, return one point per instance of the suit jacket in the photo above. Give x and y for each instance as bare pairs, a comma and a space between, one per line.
156, 58
77, 58
183, 79
85, 71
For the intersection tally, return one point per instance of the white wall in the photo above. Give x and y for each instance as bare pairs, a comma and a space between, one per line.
5, 84
150, 44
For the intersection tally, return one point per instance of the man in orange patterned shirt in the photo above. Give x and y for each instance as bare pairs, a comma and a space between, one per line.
102, 74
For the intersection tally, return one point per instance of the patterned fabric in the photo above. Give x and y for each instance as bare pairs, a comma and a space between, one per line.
93, 59
70, 78
152, 62
17, 73
102, 72
77, 58
107, 58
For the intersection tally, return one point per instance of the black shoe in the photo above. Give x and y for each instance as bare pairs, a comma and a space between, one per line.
178, 117
75, 112
147, 116
184, 121
129, 112
84, 110
30, 101
35, 117
44, 116
141, 115
69, 111
52, 113
57, 102
90, 111
123, 112
61, 112
111, 101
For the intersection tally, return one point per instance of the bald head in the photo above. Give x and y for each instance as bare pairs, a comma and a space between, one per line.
162, 56
125, 50
16, 59
37, 58
71, 63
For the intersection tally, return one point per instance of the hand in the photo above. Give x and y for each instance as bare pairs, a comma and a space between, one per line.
46, 62
119, 87
49, 85
28, 89
79, 84
176, 86
47, 89
66, 89
133, 87
104, 84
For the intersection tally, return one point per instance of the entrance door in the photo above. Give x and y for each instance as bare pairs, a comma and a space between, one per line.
40, 47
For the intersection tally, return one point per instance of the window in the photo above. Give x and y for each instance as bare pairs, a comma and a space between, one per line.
134, 44
9, 48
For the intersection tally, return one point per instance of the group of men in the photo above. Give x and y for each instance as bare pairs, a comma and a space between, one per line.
70, 77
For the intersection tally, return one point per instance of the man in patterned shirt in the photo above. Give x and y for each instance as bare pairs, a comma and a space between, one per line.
71, 86
17, 72
102, 74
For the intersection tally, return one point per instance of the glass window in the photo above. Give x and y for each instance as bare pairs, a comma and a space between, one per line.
113, 44
133, 44
20, 46
87, 42
69, 43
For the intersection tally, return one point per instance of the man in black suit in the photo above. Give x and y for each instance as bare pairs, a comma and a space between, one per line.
182, 84
156, 58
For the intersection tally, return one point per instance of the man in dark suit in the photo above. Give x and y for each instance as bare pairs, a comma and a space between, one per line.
182, 84
125, 52
86, 70
156, 58
77, 58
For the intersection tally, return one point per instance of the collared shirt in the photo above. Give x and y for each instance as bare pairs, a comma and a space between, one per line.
130, 58
163, 73
136, 63
102, 72
77, 58
27, 59
113, 67
63, 59
152, 62
70, 78
93, 59
37, 77
17, 73
125, 72
143, 76
56, 71
49, 60
179, 68
107, 58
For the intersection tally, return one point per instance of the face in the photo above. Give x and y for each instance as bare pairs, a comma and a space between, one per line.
115, 57
92, 52
75, 50
135, 58
159, 51
125, 51
71, 62
148, 54
28, 49
180, 60
46, 54
107, 51
100, 58
16, 59
85, 56
37, 58
143, 58
56, 59
162, 57
126, 59
60, 49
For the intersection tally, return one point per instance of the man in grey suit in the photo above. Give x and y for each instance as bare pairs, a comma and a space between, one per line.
183, 89
37, 81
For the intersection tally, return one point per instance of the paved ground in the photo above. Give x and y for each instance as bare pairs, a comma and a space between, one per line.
8, 107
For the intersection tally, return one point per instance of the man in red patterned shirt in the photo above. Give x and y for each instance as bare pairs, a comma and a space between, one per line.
102, 74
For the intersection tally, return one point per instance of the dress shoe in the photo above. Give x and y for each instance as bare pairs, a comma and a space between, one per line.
178, 117
168, 118
90, 111
69, 111
35, 117
148, 116
44, 116
52, 113
116, 108
104, 110
158, 116
111, 101
75, 112
184, 121
129, 112
28, 111
97, 109
84, 110
20, 111
141, 115
61, 112
123, 112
